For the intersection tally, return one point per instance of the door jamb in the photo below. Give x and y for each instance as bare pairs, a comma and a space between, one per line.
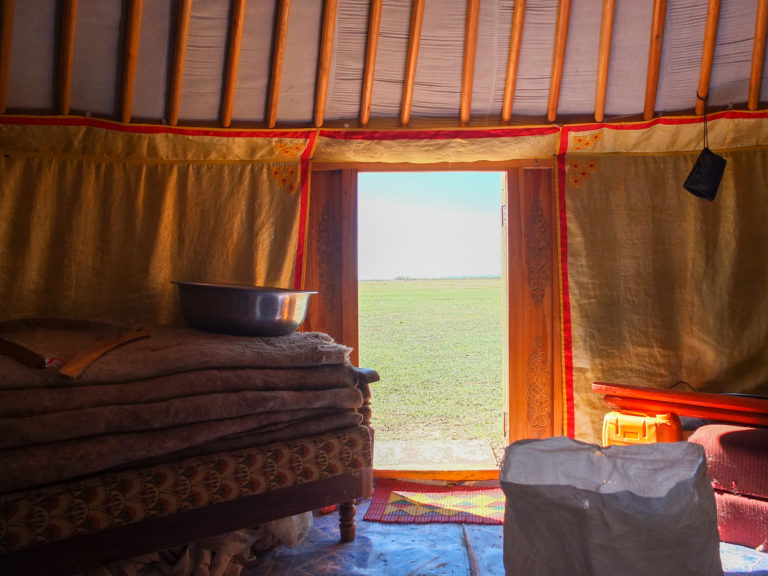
532, 353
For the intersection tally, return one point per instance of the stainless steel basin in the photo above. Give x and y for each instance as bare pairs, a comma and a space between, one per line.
241, 309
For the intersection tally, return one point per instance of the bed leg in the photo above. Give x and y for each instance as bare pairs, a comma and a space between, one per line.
347, 511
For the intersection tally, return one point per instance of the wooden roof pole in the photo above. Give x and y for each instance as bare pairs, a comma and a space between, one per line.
654, 57
66, 52
561, 39
131, 52
515, 41
707, 54
603, 58
278, 55
417, 17
374, 24
5, 51
758, 55
324, 63
470, 49
179, 56
233, 61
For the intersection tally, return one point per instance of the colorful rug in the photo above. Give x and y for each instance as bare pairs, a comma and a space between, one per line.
407, 502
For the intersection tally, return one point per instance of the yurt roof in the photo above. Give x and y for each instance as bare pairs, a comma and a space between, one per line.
380, 63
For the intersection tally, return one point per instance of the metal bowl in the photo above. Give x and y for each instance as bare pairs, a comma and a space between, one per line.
242, 310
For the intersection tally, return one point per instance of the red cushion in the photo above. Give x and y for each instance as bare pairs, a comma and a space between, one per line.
742, 520
737, 458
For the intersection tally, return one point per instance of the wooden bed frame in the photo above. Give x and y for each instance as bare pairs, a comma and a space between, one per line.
84, 552
80, 553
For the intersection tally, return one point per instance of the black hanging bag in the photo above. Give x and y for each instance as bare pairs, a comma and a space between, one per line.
704, 179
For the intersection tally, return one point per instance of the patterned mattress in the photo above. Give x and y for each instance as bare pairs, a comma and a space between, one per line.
103, 501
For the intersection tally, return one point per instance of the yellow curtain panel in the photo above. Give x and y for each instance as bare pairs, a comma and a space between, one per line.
430, 146
661, 288
98, 221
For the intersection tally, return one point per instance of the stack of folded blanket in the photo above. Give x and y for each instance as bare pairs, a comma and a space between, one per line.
178, 392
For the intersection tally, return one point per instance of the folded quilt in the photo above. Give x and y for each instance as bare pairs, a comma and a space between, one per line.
42, 464
178, 392
320, 423
171, 350
58, 426
29, 401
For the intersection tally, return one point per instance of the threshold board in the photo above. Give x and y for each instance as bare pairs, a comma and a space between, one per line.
455, 460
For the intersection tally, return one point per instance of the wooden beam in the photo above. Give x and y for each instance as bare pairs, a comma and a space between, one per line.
278, 55
470, 49
66, 52
233, 60
374, 24
654, 57
651, 406
604, 57
515, 41
561, 39
736, 409
131, 52
6, 32
707, 55
324, 63
758, 55
179, 56
417, 17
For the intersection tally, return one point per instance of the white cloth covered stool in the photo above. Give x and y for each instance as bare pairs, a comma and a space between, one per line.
579, 509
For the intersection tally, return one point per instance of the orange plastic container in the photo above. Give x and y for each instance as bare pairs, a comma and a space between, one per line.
623, 427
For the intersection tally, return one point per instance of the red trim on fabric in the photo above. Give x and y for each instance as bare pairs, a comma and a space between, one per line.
437, 134
664, 121
369, 134
152, 129
566, 304
298, 275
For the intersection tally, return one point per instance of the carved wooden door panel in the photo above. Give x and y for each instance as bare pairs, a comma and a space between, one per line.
533, 402
331, 256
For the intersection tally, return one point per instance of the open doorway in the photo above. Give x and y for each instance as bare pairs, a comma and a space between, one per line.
536, 402
431, 310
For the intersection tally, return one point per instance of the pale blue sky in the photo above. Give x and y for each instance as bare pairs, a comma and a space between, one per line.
429, 224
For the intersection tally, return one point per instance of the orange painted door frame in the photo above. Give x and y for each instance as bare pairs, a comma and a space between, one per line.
532, 371
331, 257
532, 359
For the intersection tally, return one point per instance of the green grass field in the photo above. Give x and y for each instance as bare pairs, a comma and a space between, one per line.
437, 345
